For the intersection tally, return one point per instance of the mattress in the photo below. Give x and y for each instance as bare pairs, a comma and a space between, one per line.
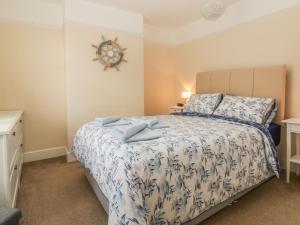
197, 163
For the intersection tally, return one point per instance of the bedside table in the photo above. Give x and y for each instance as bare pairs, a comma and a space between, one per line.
176, 109
292, 126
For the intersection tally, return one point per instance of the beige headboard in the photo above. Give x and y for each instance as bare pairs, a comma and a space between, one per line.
253, 82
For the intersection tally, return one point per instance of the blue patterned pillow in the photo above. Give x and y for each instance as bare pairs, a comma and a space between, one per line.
245, 108
203, 103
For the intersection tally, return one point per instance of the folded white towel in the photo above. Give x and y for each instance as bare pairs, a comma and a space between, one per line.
107, 120
127, 131
118, 123
150, 122
145, 135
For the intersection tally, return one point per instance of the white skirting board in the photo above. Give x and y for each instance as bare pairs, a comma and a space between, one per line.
44, 154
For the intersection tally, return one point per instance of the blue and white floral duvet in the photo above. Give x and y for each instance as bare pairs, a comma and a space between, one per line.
198, 163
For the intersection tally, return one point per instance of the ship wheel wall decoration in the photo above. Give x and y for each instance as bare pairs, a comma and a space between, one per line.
110, 53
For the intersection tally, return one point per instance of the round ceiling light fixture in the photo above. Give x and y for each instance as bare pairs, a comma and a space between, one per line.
213, 9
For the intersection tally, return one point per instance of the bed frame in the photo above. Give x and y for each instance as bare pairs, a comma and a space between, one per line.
255, 82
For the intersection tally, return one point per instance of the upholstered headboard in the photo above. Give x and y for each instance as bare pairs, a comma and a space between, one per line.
253, 82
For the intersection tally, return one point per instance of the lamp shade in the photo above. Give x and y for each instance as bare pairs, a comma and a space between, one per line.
185, 94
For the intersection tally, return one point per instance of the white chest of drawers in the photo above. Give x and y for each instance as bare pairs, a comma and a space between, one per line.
11, 156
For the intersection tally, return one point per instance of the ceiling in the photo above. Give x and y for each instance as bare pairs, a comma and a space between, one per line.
161, 13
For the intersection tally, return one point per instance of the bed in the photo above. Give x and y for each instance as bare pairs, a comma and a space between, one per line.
199, 165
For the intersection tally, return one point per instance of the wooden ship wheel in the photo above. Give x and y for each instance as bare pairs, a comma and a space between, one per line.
110, 53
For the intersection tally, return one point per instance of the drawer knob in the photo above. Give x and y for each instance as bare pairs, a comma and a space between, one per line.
21, 121
21, 145
14, 133
16, 167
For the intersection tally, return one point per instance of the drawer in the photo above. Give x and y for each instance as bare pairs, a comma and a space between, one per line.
18, 130
15, 174
13, 183
16, 157
11, 148
14, 141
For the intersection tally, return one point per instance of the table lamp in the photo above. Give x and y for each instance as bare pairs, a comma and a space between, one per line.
185, 95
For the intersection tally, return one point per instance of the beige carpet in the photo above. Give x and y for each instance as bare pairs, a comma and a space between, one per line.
54, 192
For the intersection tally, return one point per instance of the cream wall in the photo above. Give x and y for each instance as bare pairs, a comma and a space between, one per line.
32, 73
32, 78
270, 40
159, 78
46, 66
273, 40
92, 92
